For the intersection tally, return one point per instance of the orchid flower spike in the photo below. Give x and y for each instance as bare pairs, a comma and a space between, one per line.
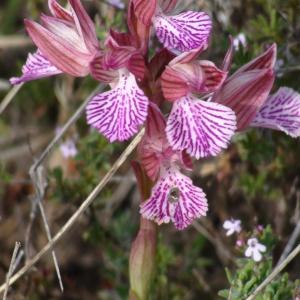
255, 249
66, 41
183, 32
174, 197
202, 128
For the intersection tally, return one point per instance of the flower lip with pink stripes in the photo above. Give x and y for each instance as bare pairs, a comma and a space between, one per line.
183, 32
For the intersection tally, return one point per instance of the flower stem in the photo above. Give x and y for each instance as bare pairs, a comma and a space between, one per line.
143, 249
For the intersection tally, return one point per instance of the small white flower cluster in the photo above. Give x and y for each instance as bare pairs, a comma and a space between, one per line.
67, 148
240, 40
254, 249
232, 226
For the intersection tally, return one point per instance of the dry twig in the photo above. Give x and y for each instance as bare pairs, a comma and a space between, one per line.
74, 218
11, 269
9, 97
57, 137
292, 241
39, 182
275, 272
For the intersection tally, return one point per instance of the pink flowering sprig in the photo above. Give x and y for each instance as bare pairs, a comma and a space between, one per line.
252, 244
252, 270
208, 104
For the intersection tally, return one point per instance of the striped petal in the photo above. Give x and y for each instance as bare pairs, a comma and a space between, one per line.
86, 25
144, 10
174, 198
281, 111
59, 12
228, 57
119, 113
36, 67
264, 61
183, 32
199, 127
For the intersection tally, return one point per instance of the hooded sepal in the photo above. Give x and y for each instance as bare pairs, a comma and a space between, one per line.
264, 61
245, 94
248, 88
174, 198
36, 67
119, 113
139, 31
155, 151
185, 75
281, 111
154, 143
201, 128
59, 50
68, 39
85, 25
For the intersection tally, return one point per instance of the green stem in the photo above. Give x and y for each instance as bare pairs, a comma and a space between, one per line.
143, 251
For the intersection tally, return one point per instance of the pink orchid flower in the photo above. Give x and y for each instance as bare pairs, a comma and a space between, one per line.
174, 197
202, 128
66, 42
183, 32
247, 93
118, 113
248, 88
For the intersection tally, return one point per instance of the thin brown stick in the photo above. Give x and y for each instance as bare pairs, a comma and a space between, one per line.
70, 122
9, 97
292, 241
74, 218
11, 268
275, 272
39, 182
14, 41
